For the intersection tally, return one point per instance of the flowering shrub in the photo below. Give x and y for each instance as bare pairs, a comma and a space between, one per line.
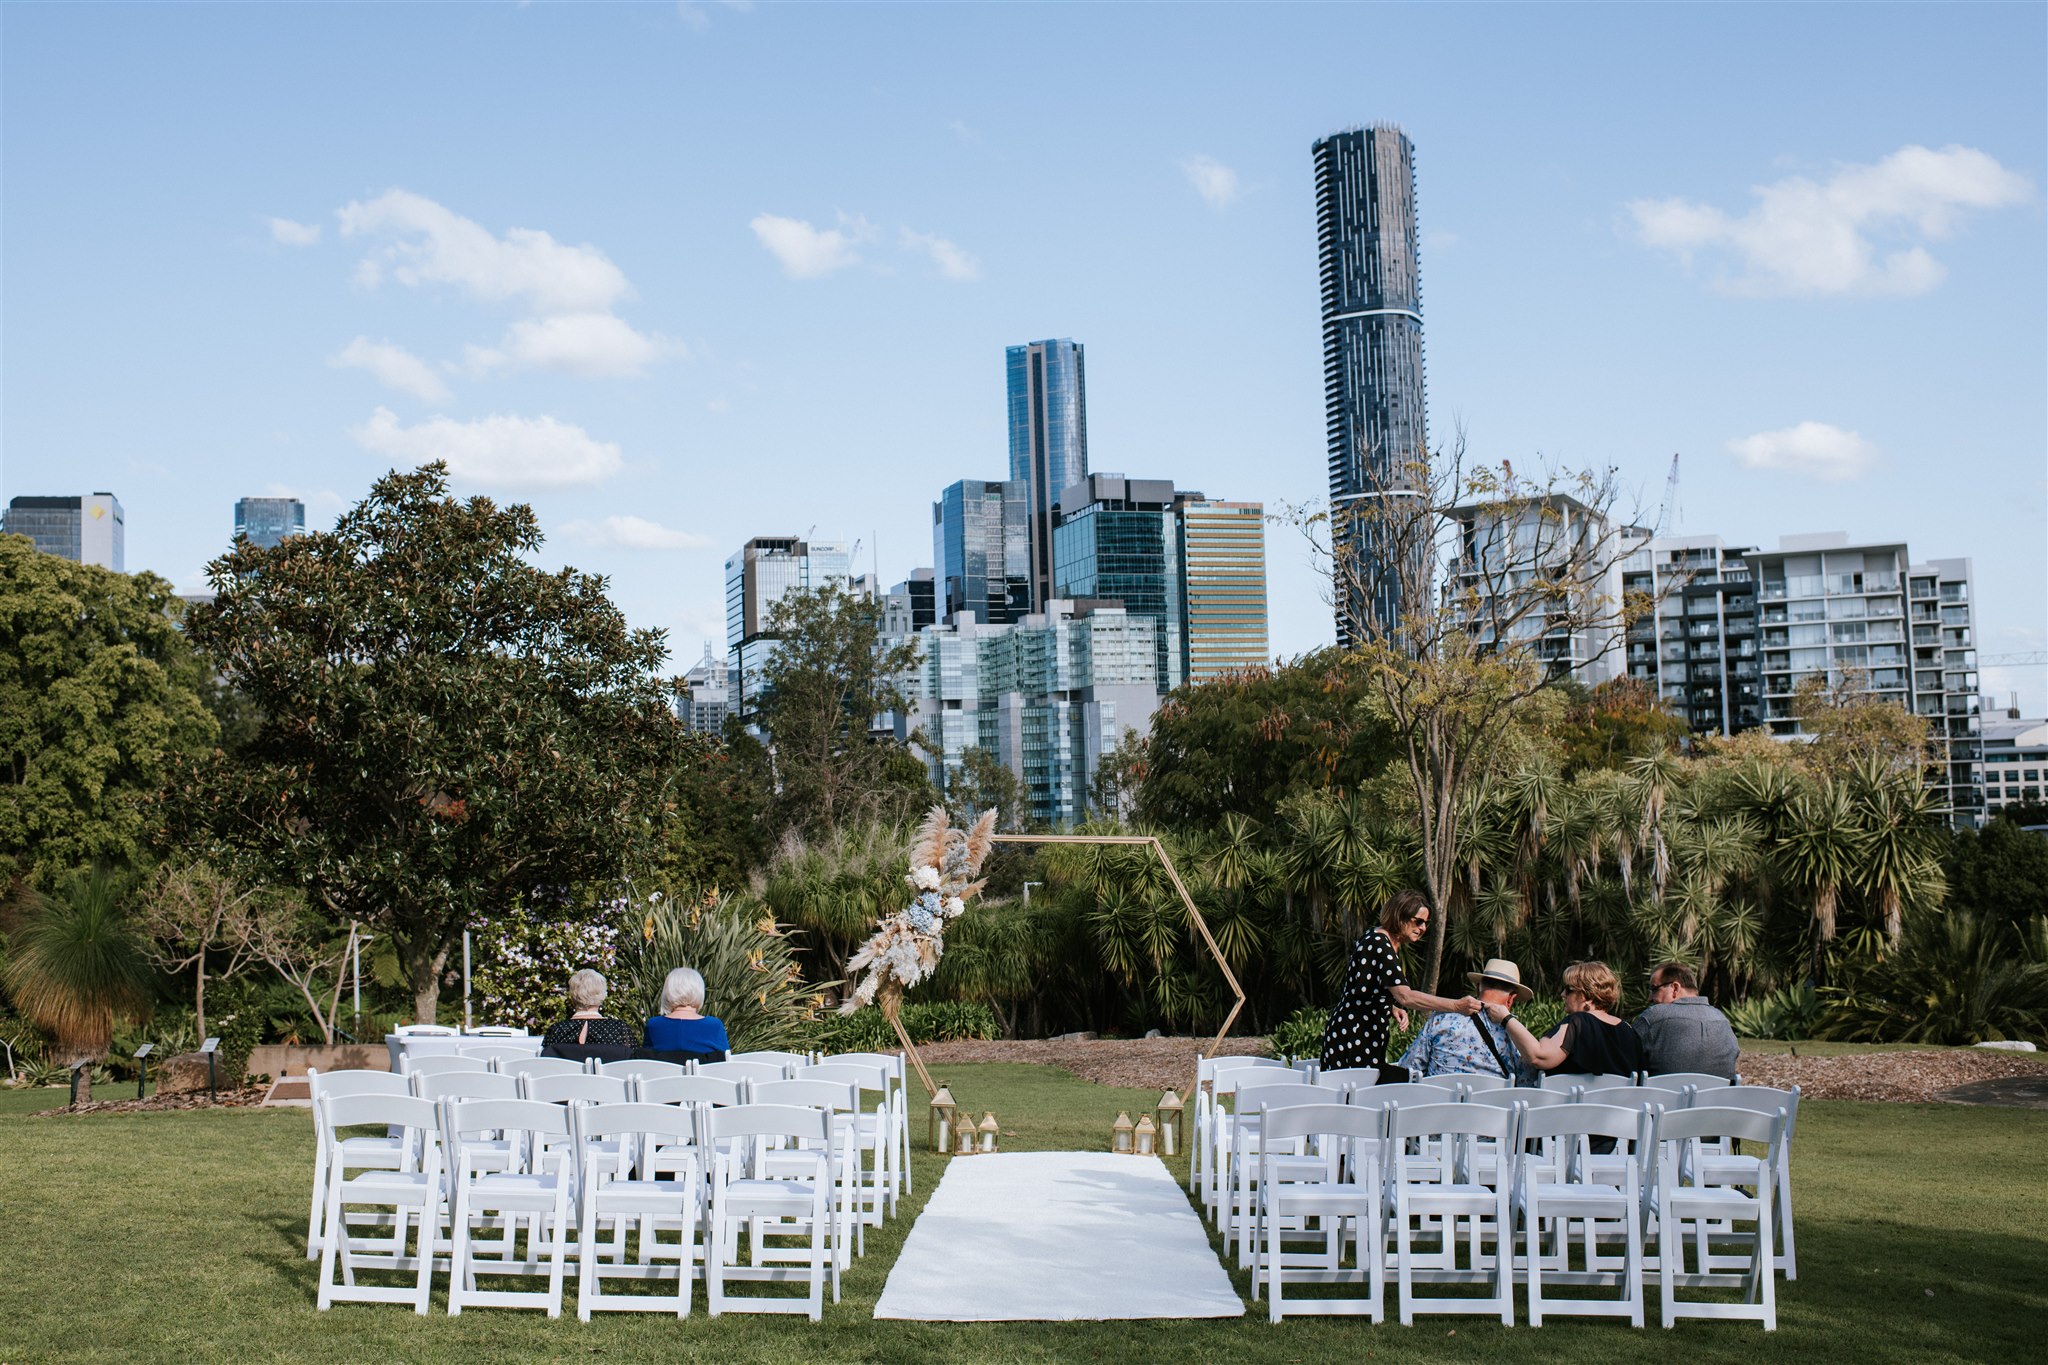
521, 961
944, 866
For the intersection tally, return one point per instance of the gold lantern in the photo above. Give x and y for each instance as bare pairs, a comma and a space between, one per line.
991, 1131
939, 1134
1170, 1108
963, 1136
1120, 1135
1145, 1137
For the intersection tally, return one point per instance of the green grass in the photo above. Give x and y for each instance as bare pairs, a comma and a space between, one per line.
181, 1236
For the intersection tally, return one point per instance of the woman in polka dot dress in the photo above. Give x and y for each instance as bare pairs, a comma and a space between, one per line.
1374, 988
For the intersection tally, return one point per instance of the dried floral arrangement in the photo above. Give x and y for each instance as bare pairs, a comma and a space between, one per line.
945, 871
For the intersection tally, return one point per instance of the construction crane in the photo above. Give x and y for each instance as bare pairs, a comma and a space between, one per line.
2032, 659
1668, 515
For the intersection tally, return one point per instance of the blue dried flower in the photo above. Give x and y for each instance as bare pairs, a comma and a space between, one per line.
920, 919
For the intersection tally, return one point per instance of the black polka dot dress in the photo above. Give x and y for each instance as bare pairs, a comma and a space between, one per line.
1356, 1034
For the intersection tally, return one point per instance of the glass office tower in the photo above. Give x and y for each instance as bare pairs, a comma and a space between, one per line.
981, 550
1223, 583
1120, 542
756, 578
1048, 394
1372, 350
266, 521
89, 530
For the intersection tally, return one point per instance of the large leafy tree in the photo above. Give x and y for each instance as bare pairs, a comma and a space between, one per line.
1244, 742
831, 675
443, 727
98, 690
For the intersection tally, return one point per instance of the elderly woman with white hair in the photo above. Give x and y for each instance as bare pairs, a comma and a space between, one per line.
586, 1025
682, 1025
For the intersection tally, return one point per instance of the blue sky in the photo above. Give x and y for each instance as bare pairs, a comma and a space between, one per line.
680, 275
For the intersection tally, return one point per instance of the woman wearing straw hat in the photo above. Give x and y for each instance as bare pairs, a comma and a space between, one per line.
1374, 988
1450, 1045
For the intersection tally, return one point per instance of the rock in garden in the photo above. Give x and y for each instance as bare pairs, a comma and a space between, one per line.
186, 1072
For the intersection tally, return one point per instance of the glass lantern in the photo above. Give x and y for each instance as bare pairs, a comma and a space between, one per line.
1145, 1137
963, 1136
1170, 1108
991, 1132
939, 1133
1120, 1135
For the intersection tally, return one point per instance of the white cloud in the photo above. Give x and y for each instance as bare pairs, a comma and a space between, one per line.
1214, 181
634, 533
288, 233
438, 245
1814, 449
966, 134
806, 252
394, 366
538, 451
952, 262
592, 345
1819, 237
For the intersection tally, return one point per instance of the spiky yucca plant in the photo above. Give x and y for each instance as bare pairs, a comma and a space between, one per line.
751, 978
76, 966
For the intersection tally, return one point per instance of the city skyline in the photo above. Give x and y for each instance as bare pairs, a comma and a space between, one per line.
685, 315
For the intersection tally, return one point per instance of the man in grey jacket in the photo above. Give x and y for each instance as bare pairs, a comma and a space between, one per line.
1681, 1030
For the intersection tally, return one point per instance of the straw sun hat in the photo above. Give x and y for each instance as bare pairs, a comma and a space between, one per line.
1501, 972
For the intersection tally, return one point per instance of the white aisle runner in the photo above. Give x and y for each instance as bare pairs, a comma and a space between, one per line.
1057, 1237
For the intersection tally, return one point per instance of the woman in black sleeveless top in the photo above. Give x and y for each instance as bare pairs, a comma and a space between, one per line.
1592, 1041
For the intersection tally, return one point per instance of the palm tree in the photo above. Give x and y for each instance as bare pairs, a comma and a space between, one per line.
1897, 814
1655, 776
77, 965
1821, 845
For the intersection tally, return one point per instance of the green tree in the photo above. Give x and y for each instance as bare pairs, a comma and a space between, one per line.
1849, 723
1119, 777
724, 802
443, 727
2000, 870
1612, 722
982, 782
98, 692
830, 675
1247, 740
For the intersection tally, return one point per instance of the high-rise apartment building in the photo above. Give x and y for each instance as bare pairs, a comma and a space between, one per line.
1048, 400
1513, 552
981, 549
266, 521
756, 578
90, 529
1223, 583
1373, 396
1046, 696
1698, 647
911, 605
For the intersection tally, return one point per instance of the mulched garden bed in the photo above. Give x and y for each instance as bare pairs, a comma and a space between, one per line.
161, 1104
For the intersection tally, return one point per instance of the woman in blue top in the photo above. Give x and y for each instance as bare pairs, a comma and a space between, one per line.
682, 1026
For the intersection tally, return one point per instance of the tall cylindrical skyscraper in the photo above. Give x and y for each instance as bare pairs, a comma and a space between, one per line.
1372, 353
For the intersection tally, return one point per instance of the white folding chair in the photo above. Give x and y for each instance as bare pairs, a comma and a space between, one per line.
1202, 1176
497, 1031
1698, 1080
440, 1064
1725, 1165
1421, 1189
743, 1071
688, 1090
840, 1099
642, 1066
611, 1192
1247, 1148
792, 1204
464, 1085
1453, 1085
1565, 1080
1637, 1097
574, 1089
386, 1151
482, 1194
1476, 1082
774, 1057
1215, 1109
899, 1073
543, 1066
414, 1188
1344, 1187
1675, 1199
1559, 1184
498, 1057
875, 1132
1349, 1077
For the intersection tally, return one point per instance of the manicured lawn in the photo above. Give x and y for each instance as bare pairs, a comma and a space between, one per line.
1923, 1235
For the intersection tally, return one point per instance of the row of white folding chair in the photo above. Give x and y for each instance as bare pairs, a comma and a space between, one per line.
498, 1173
1218, 1079
1673, 1080
1556, 1183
